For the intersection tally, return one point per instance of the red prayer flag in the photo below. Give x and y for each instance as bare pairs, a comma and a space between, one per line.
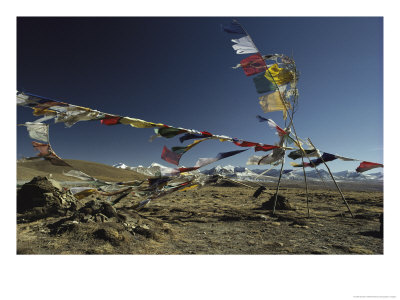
110, 120
366, 165
170, 156
187, 169
253, 64
265, 147
205, 133
44, 149
245, 143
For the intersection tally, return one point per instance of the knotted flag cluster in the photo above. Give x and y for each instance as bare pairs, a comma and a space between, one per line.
272, 79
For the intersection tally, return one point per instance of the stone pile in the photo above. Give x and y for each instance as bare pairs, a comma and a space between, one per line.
43, 197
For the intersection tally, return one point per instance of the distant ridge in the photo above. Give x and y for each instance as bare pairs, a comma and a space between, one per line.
27, 169
243, 173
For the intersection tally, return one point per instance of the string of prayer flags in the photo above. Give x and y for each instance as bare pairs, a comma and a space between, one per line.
366, 165
278, 75
233, 27
70, 114
253, 64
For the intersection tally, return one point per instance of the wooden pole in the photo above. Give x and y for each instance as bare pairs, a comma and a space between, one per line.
277, 187
305, 180
330, 173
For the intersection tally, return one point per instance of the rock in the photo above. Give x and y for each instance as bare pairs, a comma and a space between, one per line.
300, 226
276, 223
108, 210
109, 234
144, 231
281, 204
46, 193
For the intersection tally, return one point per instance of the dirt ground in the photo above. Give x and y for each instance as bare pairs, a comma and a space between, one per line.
217, 220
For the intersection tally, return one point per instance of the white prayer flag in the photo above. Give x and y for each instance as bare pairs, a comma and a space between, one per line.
244, 45
38, 131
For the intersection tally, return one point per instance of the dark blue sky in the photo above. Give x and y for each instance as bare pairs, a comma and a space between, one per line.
178, 71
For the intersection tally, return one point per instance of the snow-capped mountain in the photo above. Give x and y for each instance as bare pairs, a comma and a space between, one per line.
243, 173
121, 166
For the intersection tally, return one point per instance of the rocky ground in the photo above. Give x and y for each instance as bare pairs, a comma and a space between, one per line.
218, 219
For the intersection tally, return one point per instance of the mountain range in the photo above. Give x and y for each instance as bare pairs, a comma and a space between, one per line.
243, 173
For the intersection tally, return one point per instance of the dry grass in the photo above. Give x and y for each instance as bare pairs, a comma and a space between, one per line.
26, 170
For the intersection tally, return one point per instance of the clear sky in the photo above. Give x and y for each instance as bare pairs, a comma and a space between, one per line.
177, 71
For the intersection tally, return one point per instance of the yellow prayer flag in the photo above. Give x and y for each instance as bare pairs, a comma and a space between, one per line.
293, 164
278, 75
273, 102
139, 123
189, 188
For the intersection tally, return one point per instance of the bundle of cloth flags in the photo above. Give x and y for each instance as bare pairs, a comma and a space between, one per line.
271, 79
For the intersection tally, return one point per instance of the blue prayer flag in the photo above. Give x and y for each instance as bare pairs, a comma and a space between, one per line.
233, 27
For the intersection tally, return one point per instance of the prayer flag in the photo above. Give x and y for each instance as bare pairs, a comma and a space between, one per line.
233, 27
265, 147
206, 161
170, 156
110, 120
263, 85
181, 150
278, 75
169, 132
189, 136
273, 158
38, 131
324, 158
298, 153
273, 102
139, 123
244, 45
44, 149
345, 158
253, 64
366, 165
272, 124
